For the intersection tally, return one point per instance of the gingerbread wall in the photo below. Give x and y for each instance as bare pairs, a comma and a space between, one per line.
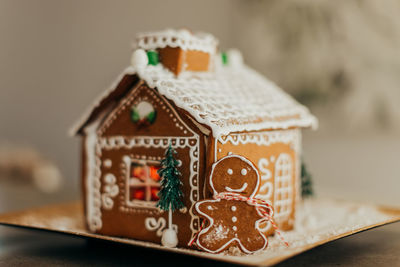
124, 138
276, 155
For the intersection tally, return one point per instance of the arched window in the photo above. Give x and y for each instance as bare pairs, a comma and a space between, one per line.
283, 187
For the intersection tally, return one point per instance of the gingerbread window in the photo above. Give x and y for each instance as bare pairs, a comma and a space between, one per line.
283, 186
143, 182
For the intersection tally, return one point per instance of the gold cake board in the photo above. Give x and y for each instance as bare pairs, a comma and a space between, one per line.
68, 219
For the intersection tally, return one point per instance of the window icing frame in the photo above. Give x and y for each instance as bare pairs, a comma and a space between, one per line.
137, 202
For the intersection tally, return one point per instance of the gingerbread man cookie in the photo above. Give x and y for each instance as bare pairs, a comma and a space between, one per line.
233, 217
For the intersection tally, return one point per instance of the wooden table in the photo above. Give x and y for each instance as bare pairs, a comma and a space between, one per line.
20, 247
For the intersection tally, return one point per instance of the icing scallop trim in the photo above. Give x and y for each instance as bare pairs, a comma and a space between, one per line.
177, 38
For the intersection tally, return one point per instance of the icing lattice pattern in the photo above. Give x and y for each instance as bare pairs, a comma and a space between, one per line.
231, 99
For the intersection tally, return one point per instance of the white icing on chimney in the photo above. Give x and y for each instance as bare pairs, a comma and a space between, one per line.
178, 38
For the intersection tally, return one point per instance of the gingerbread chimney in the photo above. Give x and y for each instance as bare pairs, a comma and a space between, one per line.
179, 50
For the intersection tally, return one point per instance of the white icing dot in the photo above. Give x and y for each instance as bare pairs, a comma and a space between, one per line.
219, 150
107, 163
230, 153
230, 171
183, 210
234, 219
234, 228
110, 178
233, 208
209, 207
243, 171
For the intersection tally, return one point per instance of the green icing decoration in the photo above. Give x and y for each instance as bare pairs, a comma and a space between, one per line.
151, 117
143, 120
135, 115
170, 193
153, 57
306, 182
224, 58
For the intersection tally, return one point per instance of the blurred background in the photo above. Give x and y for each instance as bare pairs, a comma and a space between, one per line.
340, 58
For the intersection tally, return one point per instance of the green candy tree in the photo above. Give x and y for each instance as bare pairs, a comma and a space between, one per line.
170, 193
306, 182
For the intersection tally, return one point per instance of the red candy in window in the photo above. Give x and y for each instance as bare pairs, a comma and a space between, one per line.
153, 173
139, 172
154, 192
144, 182
137, 193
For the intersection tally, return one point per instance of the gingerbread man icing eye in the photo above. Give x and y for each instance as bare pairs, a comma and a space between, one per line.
235, 174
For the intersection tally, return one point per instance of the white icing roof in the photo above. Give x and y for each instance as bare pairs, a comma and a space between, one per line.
177, 38
231, 99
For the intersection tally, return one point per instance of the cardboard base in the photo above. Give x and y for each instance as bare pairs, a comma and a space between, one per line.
68, 219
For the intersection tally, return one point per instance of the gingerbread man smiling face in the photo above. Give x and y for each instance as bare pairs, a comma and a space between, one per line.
234, 174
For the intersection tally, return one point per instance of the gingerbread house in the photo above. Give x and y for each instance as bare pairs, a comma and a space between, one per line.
181, 90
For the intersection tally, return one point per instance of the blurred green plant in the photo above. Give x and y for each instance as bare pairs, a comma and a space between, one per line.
306, 182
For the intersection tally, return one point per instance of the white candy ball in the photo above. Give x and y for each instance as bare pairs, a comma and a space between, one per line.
169, 238
139, 59
235, 58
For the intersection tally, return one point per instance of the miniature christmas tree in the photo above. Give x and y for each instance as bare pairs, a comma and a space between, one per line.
306, 182
170, 193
